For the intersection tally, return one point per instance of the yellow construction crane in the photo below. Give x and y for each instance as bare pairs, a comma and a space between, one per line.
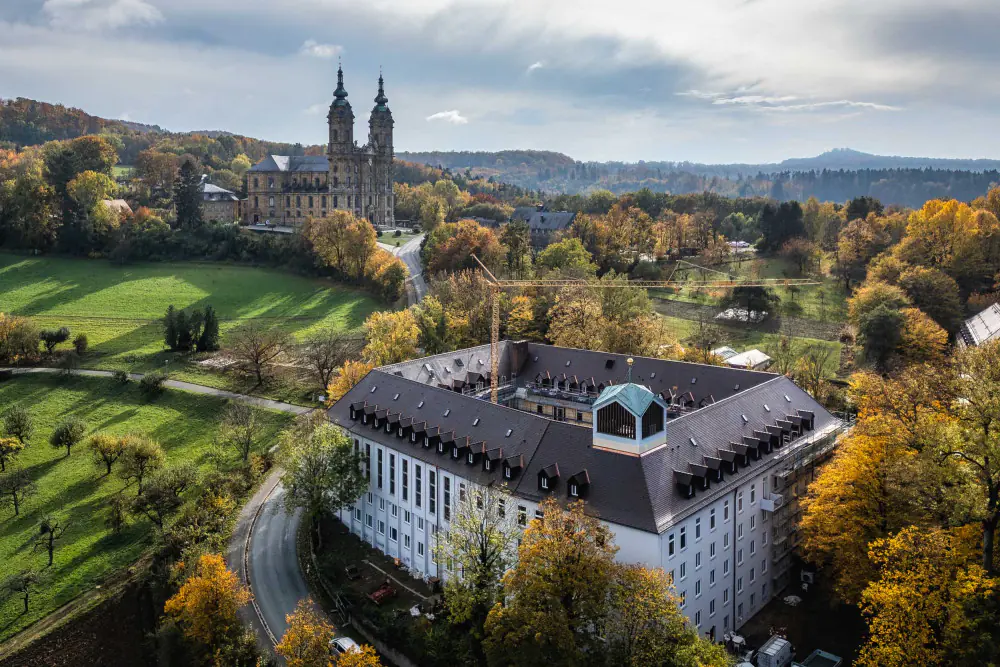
497, 284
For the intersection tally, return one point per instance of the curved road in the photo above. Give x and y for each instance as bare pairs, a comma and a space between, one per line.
410, 254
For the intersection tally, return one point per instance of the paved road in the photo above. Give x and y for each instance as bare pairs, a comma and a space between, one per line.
410, 254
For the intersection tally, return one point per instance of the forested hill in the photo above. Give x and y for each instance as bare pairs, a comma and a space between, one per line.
25, 122
836, 175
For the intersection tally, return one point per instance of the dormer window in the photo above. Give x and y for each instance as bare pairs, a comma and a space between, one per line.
447, 412
487, 464
506, 471
413, 437
400, 432
574, 490
454, 453
545, 483
427, 442
548, 476
472, 458
440, 448
364, 420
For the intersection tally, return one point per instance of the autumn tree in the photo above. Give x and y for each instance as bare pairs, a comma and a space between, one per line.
257, 347
365, 657
569, 257
556, 593
923, 607
106, 449
50, 531
481, 545
241, 429
432, 321
162, 495
18, 423
15, 486
450, 247
391, 337
206, 607
18, 339
322, 471
351, 373
69, 433
306, 642
810, 369
801, 252
9, 449
325, 351
860, 240
139, 458
934, 292
921, 339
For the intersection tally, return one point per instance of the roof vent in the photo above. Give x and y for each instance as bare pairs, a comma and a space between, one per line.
374, 387
396, 397
609, 364
745, 420
536, 357
788, 399
475, 422
694, 380
427, 367
509, 431
420, 404
481, 362
736, 387
694, 443
567, 362
447, 369
652, 375
447, 412
458, 363
767, 407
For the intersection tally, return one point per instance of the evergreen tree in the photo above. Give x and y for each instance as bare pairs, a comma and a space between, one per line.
170, 328
209, 339
184, 340
187, 195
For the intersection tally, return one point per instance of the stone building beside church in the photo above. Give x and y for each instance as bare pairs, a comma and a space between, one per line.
285, 190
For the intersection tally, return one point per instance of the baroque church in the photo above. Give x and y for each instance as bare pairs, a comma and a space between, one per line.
284, 190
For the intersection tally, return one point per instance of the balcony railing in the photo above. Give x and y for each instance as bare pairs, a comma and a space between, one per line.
538, 389
773, 503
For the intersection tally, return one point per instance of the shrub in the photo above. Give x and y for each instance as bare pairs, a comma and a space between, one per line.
379, 233
68, 433
18, 339
80, 344
18, 423
52, 337
397, 233
121, 376
151, 384
68, 363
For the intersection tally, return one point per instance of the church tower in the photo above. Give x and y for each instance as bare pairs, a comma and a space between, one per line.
380, 143
341, 119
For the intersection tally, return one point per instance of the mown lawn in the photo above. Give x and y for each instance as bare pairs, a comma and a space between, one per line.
120, 308
75, 490
825, 302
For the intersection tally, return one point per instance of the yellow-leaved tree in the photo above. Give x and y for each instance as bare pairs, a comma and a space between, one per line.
205, 608
392, 337
926, 607
306, 642
351, 373
365, 657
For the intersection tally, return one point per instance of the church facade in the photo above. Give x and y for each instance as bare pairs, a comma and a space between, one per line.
285, 190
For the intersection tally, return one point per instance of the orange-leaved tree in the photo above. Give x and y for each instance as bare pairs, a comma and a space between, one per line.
306, 643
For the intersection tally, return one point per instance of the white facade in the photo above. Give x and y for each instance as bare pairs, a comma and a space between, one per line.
719, 554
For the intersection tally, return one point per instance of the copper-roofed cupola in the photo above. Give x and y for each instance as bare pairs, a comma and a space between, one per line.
629, 418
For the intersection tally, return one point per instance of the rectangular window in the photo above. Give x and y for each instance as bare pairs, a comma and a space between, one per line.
371, 498
670, 545
336, 203
683, 538
420, 548
753, 548
763, 566
418, 492
753, 574
683, 571
725, 511
368, 520
763, 538
420, 523
753, 521
684, 596
739, 531
406, 516
368, 461
447, 498
725, 596
270, 201
392, 474
725, 567
739, 556
381, 527
711, 577
406, 541
725, 622
432, 491
380, 468
697, 560
697, 617
739, 501
539, 514
406, 480
711, 550
725, 541
522, 515
357, 513
394, 509
711, 608
288, 201
393, 534
381, 504
310, 201
753, 493
323, 201
501, 508
697, 529
763, 593
461, 492
739, 586
697, 588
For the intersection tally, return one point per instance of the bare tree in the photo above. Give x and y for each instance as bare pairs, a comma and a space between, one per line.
257, 346
24, 585
50, 530
16, 485
325, 351
810, 371
241, 429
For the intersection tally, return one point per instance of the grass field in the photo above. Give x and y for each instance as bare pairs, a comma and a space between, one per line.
119, 307
741, 339
825, 302
73, 489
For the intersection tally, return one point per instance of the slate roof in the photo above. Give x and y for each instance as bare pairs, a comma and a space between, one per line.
636, 491
981, 327
292, 163
550, 221
207, 190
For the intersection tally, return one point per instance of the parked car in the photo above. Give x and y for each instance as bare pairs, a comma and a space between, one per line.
342, 645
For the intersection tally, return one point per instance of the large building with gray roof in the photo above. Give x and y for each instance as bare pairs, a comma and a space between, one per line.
286, 190
697, 469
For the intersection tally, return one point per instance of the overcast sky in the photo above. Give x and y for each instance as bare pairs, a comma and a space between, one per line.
700, 80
